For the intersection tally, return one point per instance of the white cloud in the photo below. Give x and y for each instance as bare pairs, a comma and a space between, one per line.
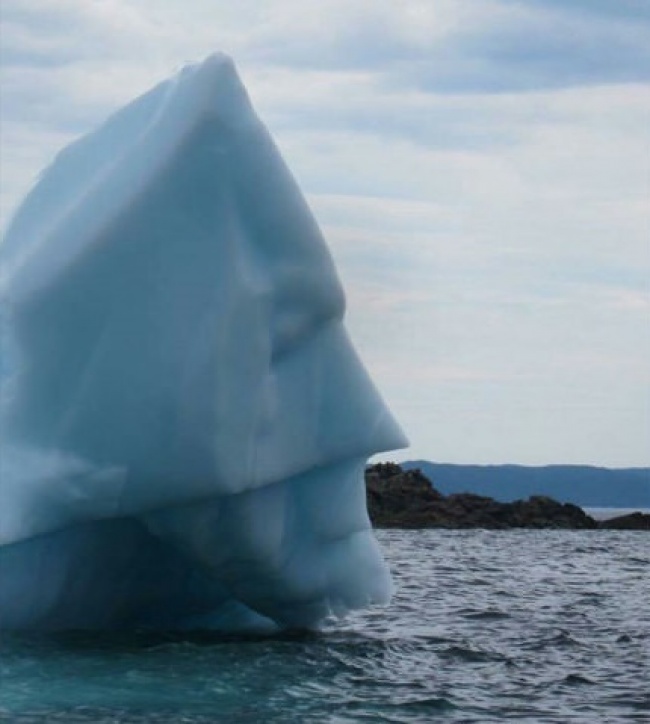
58, 32
494, 245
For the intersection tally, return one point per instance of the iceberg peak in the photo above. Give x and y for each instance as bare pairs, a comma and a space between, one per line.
182, 388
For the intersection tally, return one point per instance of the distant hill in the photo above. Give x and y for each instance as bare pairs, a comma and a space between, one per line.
579, 484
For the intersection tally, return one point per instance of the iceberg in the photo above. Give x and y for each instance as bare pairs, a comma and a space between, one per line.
184, 422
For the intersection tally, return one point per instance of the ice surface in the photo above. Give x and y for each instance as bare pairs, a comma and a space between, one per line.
183, 419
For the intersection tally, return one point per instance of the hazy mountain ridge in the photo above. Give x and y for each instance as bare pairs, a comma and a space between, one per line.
583, 485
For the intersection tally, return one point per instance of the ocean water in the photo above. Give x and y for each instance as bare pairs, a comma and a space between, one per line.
486, 626
607, 513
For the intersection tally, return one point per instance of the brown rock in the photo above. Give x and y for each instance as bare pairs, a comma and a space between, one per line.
406, 499
633, 521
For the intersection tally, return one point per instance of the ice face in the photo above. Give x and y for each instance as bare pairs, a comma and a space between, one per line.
179, 394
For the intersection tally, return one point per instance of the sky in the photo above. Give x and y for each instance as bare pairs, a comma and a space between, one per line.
480, 170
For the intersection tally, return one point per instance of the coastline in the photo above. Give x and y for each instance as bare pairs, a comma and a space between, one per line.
407, 499
607, 513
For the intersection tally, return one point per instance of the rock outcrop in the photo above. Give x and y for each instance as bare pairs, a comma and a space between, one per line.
633, 521
400, 498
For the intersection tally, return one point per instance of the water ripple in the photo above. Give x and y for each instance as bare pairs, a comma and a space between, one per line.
486, 626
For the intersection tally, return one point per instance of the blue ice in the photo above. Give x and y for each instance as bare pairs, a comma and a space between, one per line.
184, 422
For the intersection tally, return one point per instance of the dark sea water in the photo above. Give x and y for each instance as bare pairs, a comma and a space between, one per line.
486, 626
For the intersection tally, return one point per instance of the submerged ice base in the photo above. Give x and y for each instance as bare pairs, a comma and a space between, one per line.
183, 420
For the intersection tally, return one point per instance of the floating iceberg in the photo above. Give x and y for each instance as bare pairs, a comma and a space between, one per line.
183, 420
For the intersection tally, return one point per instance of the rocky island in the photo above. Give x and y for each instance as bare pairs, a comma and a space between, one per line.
400, 498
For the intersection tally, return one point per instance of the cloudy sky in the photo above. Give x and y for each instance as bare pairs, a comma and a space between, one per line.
480, 168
